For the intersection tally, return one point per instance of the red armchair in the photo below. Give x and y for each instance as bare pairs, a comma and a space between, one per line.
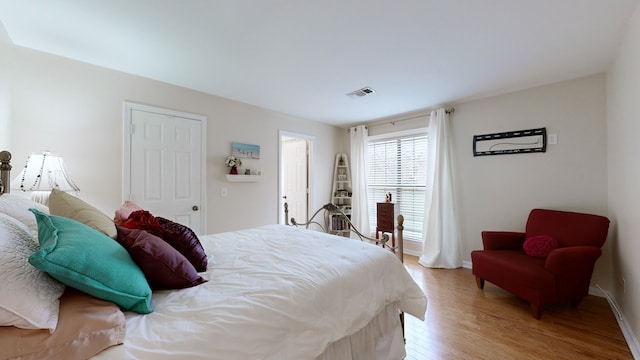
563, 275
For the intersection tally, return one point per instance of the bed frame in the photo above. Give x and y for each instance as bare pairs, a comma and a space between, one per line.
5, 172
322, 217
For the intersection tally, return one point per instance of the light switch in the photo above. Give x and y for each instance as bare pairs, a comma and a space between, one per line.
553, 139
224, 192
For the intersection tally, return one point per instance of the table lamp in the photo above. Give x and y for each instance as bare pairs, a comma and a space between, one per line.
43, 173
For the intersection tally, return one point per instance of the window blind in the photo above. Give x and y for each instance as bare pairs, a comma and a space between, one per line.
397, 165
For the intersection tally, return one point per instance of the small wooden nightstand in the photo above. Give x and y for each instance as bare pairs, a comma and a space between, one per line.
386, 219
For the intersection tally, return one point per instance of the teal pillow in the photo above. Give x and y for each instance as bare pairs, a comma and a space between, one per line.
85, 259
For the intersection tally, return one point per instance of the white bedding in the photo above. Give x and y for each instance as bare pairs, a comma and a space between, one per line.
274, 292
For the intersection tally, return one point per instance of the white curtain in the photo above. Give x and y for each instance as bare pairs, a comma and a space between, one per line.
441, 242
359, 204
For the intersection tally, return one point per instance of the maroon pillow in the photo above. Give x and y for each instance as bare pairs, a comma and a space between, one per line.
185, 241
540, 245
162, 265
143, 220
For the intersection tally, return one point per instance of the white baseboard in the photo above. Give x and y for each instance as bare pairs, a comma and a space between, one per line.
627, 331
412, 247
597, 291
412, 252
632, 340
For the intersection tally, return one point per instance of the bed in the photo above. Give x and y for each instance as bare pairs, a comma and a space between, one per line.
270, 292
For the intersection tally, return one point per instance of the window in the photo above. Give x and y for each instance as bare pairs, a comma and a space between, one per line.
397, 164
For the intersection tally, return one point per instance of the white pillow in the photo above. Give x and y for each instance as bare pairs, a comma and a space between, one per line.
18, 208
29, 298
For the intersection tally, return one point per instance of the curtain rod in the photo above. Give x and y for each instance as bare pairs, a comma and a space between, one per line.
450, 110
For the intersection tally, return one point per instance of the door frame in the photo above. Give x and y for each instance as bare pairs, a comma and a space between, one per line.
310, 144
128, 108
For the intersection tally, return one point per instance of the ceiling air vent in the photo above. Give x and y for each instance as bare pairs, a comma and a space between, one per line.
361, 92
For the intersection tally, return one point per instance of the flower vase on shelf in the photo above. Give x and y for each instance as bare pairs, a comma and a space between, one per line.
233, 162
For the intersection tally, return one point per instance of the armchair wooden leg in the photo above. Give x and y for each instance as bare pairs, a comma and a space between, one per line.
402, 323
480, 282
536, 311
575, 302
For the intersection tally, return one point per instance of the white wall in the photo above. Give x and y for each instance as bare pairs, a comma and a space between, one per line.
497, 192
75, 109
623, 127
5, 98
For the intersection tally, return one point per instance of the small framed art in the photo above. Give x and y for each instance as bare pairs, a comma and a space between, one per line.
245, 151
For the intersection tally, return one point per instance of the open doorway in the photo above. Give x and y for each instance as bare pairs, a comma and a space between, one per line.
295, 175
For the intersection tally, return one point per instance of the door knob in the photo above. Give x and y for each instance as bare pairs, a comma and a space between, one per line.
195, 208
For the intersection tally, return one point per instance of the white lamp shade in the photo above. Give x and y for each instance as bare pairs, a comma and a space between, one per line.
44, 172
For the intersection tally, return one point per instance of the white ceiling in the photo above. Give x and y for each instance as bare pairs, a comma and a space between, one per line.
301, 57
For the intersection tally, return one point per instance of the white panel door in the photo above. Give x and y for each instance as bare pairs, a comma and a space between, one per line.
296, 189
165, 170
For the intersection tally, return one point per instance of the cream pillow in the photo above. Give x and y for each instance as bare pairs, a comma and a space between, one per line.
18, 208
69, 206
29, 298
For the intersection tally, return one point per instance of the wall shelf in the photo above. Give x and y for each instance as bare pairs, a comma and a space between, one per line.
243, 178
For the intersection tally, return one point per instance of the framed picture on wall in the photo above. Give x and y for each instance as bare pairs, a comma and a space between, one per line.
245, 151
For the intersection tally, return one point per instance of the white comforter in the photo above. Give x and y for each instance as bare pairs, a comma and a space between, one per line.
274, 292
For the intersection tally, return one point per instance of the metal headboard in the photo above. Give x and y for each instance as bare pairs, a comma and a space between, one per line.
331, 209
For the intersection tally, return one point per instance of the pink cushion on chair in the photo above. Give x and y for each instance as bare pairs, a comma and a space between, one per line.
539, 246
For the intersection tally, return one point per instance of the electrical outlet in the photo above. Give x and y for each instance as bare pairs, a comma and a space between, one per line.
622, 284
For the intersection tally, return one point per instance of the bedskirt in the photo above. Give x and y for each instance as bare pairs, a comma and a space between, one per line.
381, 339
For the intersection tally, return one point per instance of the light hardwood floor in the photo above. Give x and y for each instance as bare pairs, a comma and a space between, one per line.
464, 322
